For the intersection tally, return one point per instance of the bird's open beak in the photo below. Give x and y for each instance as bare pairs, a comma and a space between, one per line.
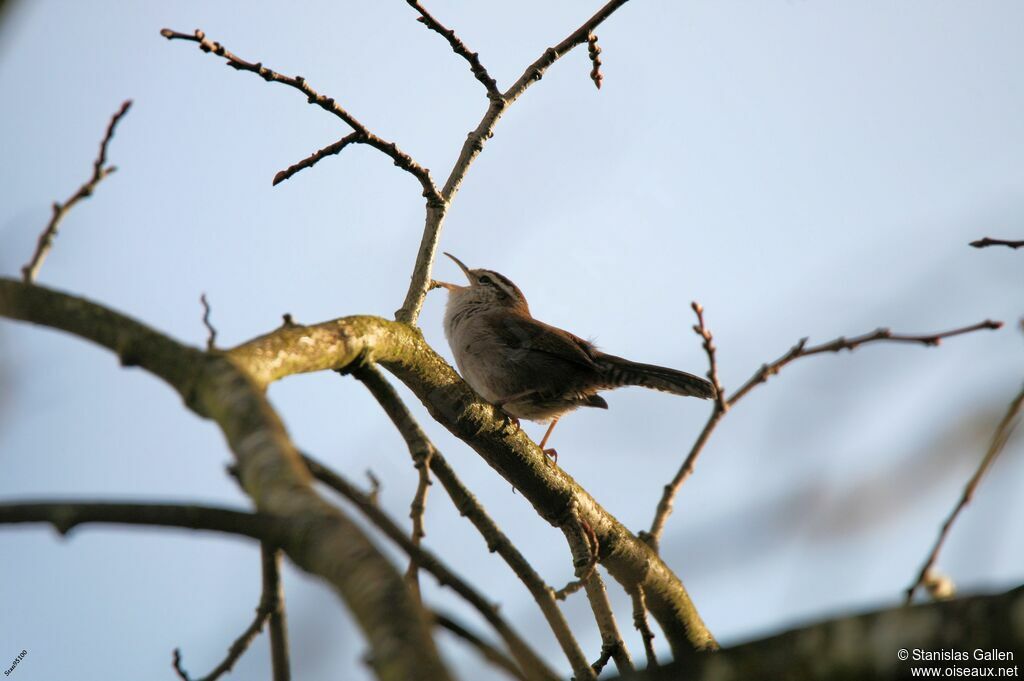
465, 270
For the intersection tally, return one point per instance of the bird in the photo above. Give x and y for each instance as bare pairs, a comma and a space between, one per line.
532, 370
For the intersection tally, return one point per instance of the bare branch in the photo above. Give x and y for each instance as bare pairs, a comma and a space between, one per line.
467, 505
272, 601
459, 48
489, 652
325, 542
99, 171
417, 508
364, 136
717, 412
594, 51
528, 660
271, 606
569, 589
421, 275
885, 335
643, 626
583, 544
801, 349
986, 242
612, 644
68, 514
316, 157
211, 332
999, 439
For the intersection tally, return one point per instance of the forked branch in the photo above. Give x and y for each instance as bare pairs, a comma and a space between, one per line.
528, 660
459, 48
474, 144
468, 505
270, 608
362, 133
801, 349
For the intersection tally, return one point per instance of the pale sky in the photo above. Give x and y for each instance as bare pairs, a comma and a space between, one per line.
801, 168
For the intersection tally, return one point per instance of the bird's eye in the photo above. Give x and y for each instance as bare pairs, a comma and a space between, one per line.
486, 280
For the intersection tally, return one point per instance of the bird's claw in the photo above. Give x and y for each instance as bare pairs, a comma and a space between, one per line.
509, 422
551, 456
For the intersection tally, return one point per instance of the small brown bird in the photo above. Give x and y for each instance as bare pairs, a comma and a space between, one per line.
533, 370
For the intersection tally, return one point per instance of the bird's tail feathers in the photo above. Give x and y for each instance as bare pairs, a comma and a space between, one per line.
619, 372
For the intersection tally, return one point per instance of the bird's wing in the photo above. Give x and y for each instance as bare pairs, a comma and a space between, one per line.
528, 335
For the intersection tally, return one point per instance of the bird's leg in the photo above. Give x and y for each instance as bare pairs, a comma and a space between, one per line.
544, 440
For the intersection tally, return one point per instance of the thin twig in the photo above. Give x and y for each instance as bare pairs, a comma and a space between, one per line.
486, 650
471, 508
643, 626
531, 664
474, 144
99, 171
717, 412
986, 242
374, 492
270, 606
211, 332
801, 349
316, 157
594, 50
272, 601
569, 589
364, 136
459, 48
999, 439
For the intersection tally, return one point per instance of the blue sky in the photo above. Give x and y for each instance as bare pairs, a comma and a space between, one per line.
801, 168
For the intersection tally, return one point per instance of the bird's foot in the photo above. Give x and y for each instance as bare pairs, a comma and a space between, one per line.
552, 456
510, 424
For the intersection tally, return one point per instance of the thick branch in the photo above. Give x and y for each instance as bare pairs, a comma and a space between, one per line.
801, 349
364, 136
417, 441
324, 541
459, 48
99, 171
66, 515
867, 646
401, 349
999, 439
530, 663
